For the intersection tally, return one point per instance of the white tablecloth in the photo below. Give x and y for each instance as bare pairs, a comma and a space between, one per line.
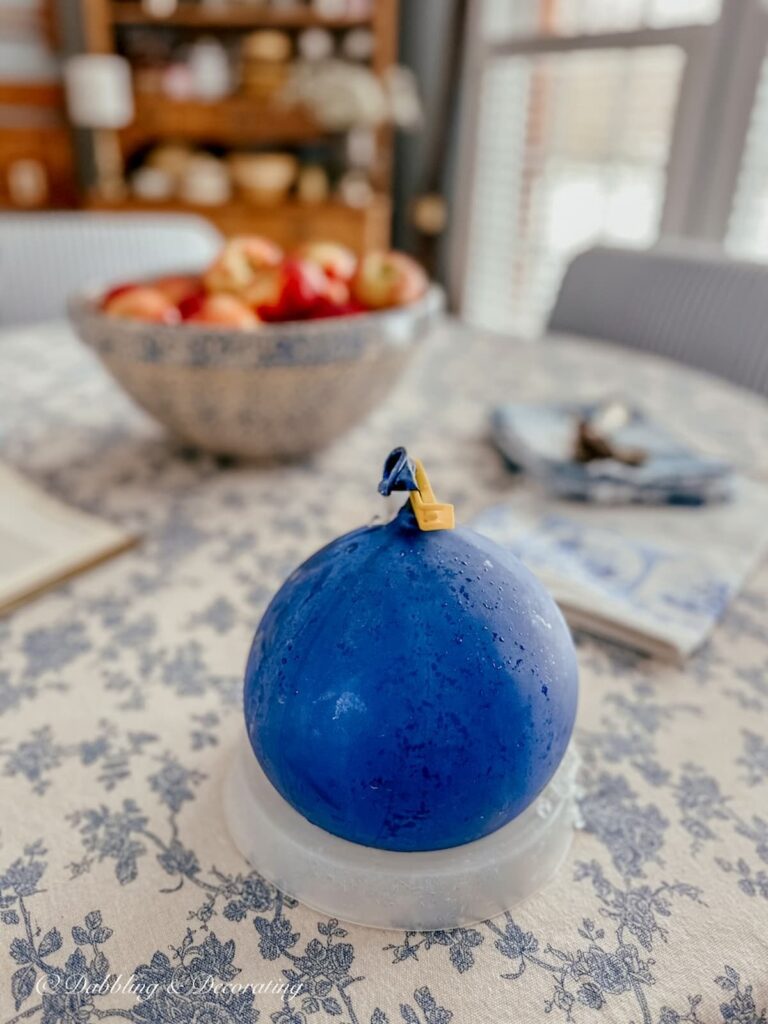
120, 707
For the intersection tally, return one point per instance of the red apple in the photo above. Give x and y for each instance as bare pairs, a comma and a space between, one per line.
337, 292
192, 304
338, 262
335, 301
178, 287
119, 289
386, 279
265, 288
325, 308
142, 303
238, 263
224, 310
296, 290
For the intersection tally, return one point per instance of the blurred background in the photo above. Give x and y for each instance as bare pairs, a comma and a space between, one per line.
492, 139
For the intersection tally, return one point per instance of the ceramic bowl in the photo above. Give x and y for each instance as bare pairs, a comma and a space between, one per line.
264, 178
280, 392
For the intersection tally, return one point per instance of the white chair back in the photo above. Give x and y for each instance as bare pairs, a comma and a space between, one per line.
45, 257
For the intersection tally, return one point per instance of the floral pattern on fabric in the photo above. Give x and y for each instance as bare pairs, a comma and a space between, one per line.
121, 896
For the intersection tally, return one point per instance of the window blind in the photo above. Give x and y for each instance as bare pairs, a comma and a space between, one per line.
747, 233
571, 147
574, 17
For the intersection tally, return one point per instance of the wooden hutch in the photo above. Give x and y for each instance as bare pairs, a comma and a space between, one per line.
238, 122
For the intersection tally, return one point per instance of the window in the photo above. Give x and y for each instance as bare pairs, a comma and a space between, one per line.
571, 147
573, 17
748, 224
592, 121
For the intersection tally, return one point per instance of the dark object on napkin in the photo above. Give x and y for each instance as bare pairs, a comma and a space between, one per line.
594, 436
542, 440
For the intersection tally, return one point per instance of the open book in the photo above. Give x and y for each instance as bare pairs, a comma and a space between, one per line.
43, 541
656, 579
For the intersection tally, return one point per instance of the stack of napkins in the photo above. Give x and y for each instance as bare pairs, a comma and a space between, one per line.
656, 580
540, 439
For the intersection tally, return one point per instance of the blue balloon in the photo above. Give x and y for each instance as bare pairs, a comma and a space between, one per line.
411, 690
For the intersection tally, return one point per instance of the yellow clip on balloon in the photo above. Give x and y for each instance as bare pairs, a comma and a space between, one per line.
430, 514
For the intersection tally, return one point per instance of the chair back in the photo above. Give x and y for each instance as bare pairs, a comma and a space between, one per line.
45, 257
696, 307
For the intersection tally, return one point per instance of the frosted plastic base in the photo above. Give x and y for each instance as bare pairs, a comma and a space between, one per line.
384, 889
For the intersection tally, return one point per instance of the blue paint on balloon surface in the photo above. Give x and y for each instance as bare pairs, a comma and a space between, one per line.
409, 690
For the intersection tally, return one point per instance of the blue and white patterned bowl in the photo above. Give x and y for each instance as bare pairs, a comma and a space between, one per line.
279, 392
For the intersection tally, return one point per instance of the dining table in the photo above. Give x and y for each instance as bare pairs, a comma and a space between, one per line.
122, 895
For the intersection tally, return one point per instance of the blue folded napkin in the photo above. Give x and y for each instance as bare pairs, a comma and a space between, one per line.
540, 439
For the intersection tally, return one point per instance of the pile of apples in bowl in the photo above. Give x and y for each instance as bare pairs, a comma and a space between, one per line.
253, 281
262, 354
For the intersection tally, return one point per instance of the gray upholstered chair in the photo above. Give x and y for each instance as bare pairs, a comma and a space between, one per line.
698, 308
44, 257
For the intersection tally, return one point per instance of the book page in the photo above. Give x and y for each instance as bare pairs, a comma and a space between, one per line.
43, 541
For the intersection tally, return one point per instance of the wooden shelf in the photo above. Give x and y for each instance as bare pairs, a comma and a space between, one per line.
225, 16
289, 224
242, 121
33, 126
237, 120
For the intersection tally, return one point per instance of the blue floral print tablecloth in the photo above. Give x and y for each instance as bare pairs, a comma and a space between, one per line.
121, 896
